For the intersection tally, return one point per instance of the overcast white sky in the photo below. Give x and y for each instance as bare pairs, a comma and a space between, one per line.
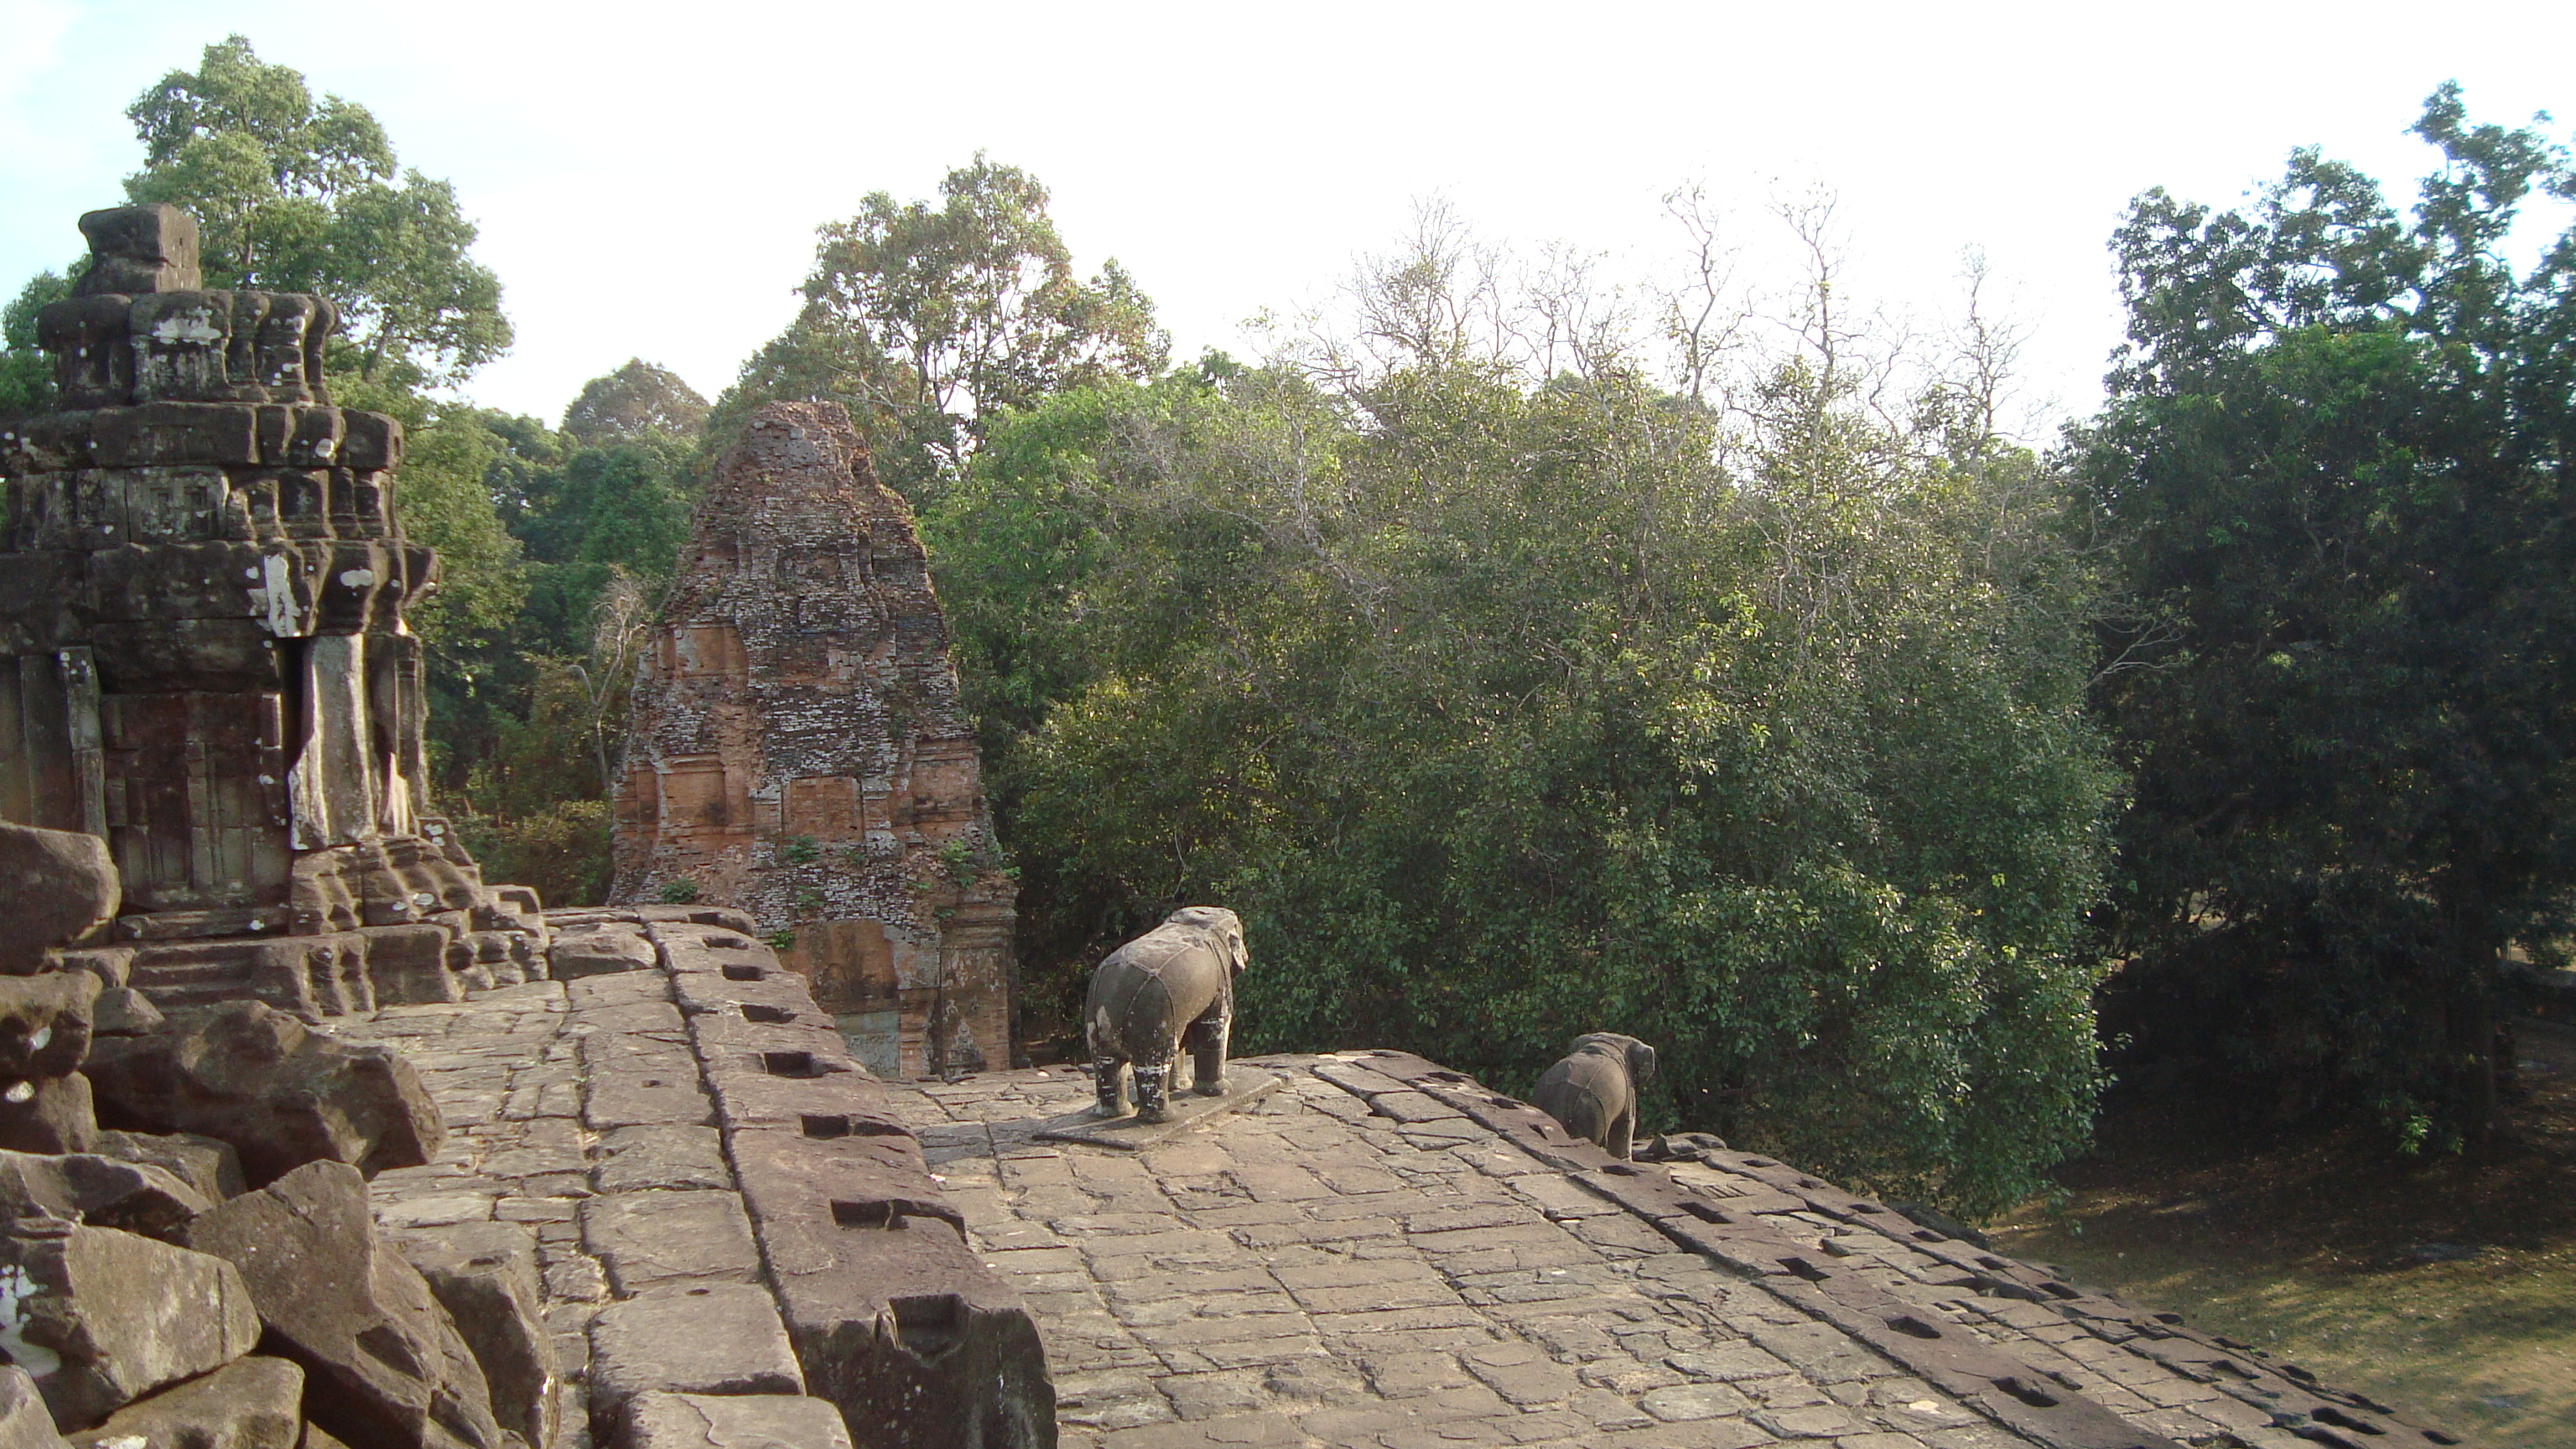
648, 177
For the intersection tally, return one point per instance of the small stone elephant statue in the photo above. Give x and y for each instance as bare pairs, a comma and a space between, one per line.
1170, 986
1593, 1092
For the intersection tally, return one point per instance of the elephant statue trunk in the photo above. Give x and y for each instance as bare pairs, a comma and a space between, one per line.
1172, 986
1593, 1092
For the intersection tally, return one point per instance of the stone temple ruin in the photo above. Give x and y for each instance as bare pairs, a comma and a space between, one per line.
797, 749
311, 1140
202, 652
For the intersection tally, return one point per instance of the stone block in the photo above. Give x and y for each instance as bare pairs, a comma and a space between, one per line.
895, 1319
647, 1240
720, 1338
486, 1276
45, 1023
25, 1422
99, 1191
599, 953
283, 1095
209, 1165
60, 885
634, 1159
48, 1114
385, 1363
139, 250
708, 1421
101, 1318
124, 1011
250, 1403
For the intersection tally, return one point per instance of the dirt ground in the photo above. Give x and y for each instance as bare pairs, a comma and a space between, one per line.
2447, 1283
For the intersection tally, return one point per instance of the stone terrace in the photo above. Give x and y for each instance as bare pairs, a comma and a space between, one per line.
1383, 1254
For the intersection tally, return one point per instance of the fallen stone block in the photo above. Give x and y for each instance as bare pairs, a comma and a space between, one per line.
707, 1421
207, 1164
719, 1338
647, 1239
124, 1011
251, 1403
25, 1422
99, 1191
383, 1364
101, 1318
282, 1094
48, 1114
60, 885
486, 1276
45, 1023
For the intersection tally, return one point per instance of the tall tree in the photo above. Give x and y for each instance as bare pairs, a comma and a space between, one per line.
925, 321
635, 400
292, 194
2337, 453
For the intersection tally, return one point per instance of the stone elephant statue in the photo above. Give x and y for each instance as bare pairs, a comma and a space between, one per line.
1593, 1092
1174, 984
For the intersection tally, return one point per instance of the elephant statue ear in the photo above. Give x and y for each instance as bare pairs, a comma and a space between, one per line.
1641, 1063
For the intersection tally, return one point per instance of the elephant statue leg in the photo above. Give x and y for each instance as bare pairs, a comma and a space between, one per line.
1207, 1042
1152, 1105
1623, 1133
1109, 1076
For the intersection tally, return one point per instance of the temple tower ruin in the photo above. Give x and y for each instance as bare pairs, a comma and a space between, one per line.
203, 657
797, 750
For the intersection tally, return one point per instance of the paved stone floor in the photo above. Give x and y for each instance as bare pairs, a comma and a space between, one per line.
1379, 1254
1355, 1262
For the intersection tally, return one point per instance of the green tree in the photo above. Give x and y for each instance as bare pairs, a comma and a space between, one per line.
292, 194
632, 402
926, 321
26, 374
2336, 457
1504, 710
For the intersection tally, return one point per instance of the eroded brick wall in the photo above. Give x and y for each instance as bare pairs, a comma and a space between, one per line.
797, 750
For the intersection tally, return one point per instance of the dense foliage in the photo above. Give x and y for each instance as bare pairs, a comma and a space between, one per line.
2337, 455
1509, 705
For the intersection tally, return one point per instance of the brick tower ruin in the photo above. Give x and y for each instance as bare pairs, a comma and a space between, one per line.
797, 749
203, 658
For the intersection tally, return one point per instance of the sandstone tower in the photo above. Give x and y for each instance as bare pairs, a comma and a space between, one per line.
797, 750
203, 658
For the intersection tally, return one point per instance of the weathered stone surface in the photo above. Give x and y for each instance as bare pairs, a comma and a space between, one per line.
383, 1362
60, 885
706, 1421
124, 1011
282, 1094
649, 1239
25, 1423
203, 657
207, 1164
101, 1318
48, 1114
250, 1403
486, 1276
45, 1023
803, 652
721, 1338
99, 1191
600, 952
633, 1159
